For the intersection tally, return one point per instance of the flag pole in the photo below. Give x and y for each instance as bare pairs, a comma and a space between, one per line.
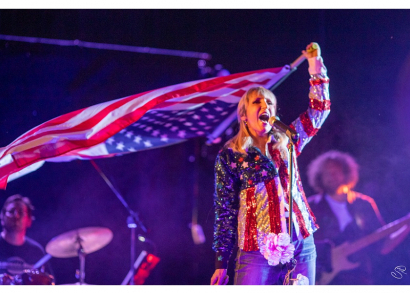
228, 121
293, 66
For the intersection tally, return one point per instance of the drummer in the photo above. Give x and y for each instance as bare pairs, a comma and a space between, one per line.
17, 251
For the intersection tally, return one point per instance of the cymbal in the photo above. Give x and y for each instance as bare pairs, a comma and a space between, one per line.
67, 244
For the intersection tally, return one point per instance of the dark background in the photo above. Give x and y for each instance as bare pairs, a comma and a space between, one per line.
367, 53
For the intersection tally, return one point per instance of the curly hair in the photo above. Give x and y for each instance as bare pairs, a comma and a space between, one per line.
345, 161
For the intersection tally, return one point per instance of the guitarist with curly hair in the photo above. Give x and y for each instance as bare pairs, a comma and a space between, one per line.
343, 216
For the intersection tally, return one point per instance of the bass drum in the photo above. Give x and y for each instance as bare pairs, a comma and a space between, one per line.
6, 279
33, 277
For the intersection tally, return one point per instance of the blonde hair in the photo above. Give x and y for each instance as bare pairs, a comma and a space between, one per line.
243, 139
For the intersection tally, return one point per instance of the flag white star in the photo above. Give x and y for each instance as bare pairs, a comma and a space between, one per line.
204, 110
131, 149
196, 117
174, 128
155, 133
164, 138
209, 116
137, 139
122, 130
219, 109
120, 146
147, 143
224, 113
110, 140
188, 124
149, 128
129, 134
181, 133
168, 125
200, 133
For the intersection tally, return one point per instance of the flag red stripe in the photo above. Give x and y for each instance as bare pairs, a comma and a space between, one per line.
205, 99
58, 120
87, 124
38, 153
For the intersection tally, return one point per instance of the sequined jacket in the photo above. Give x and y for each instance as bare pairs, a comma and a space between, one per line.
249, 199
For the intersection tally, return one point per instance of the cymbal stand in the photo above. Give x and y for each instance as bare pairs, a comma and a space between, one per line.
81, 256
133, 221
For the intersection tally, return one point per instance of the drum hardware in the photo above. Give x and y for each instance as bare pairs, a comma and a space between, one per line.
79, 242
28, 277
33, 277
6, 279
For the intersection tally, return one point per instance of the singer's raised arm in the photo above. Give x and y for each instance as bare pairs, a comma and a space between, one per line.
310, 121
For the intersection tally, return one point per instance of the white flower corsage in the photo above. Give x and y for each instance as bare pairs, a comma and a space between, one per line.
277, 248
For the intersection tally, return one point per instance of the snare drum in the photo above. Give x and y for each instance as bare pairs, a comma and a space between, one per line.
6, 279
33, 277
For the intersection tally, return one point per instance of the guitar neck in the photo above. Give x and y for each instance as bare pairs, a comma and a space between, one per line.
377, 235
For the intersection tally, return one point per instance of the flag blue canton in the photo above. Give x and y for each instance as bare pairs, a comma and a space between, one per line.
159, 128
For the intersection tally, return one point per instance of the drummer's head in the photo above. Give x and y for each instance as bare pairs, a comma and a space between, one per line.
17, 213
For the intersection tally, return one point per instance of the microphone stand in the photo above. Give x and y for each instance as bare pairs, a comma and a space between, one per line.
133, 220
291, 147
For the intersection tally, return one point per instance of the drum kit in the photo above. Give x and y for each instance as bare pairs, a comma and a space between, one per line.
74, 243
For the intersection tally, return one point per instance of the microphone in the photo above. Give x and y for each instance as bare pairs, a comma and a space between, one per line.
274, 121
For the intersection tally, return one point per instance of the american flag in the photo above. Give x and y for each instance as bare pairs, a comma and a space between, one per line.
143, 121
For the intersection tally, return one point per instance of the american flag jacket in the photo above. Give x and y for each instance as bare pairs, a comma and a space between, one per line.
251, 191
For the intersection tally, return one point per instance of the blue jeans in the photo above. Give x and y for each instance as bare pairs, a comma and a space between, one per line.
253, 269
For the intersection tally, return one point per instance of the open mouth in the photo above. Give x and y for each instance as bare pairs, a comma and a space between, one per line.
264, 117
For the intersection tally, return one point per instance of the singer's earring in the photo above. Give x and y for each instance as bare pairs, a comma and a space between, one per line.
246, 123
